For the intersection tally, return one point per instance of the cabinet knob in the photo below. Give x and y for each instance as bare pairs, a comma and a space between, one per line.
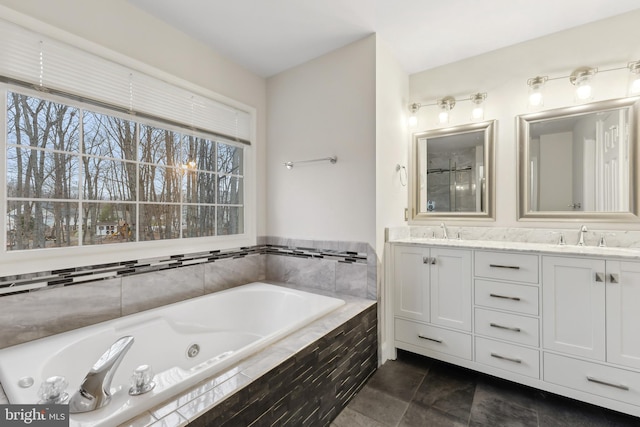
614, 278
425, 259
599, 277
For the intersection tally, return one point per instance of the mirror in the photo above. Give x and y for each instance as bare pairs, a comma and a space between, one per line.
452, 173
579, 162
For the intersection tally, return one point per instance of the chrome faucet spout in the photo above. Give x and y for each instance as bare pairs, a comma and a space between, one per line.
444, 231
583, 230
94, 392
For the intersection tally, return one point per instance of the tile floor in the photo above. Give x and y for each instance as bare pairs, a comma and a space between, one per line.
422, 392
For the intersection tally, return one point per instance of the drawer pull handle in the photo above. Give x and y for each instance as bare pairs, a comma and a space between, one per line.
504, 297
495, 325
512, 267
597, 381
510, 359
430, 339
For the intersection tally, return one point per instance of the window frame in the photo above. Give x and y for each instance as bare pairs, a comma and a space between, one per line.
30, 260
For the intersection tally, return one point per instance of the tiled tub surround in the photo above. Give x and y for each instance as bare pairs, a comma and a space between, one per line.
68, 299
307, 378
227, 327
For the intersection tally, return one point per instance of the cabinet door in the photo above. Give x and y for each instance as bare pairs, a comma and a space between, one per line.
573, 306
411, 277
623, 315
450, 294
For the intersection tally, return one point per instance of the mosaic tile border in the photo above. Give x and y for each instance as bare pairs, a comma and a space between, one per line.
11, 285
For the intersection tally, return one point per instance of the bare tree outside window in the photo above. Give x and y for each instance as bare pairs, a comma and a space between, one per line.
78, 177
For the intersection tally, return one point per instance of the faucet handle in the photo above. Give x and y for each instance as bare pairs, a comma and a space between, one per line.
602, 243
142, 380
52, 390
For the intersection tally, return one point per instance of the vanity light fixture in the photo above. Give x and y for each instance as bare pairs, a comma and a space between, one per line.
634, 87
446, 104
581, 79
413, 119
478, 110
536, 85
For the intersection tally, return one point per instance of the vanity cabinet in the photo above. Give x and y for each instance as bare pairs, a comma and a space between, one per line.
507, 332
433, 285
432, 294
591, 309
565, 323
573, 302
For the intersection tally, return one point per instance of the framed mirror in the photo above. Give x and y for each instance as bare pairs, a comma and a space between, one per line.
452, 173
580, 163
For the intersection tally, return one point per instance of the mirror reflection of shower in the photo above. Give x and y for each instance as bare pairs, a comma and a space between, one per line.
452, 172
451, 189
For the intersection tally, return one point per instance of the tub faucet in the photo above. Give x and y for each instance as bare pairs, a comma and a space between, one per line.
444, 231
583, 230
95, 390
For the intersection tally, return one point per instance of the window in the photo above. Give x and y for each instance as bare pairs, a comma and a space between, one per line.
77, 176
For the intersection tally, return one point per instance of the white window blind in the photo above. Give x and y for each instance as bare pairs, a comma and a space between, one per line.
43, 62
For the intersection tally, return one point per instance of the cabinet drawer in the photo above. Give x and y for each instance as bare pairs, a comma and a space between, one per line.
505, 326
507, 266
509, 357
433, 338
507, 296
593, 378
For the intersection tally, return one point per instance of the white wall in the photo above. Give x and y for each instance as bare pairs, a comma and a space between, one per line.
503, 75
392, 142
127, 30
322, 108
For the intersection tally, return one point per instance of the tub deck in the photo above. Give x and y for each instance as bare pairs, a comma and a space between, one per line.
191, 404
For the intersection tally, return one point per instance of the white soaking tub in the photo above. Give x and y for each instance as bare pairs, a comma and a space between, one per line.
227, 326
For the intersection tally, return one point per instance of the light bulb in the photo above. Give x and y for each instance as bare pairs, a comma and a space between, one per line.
583, 91
446, 104
536, 84
478, 110
477, 113
535, 99
581, 79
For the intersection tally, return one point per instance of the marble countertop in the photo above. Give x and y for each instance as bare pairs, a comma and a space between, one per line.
543, 248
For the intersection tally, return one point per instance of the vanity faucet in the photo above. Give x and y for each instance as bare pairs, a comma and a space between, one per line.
95, 390
444, 231
583, 230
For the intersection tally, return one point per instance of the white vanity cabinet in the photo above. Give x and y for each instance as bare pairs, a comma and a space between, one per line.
506, 297
432, 299
559, 321
591, 326
591, 308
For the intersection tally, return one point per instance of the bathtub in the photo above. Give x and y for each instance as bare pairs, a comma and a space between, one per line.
226, 326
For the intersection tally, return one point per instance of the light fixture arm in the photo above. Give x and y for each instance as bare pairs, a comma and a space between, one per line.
581, 74
447, 103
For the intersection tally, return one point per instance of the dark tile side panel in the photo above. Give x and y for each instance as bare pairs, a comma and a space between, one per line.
310, 388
